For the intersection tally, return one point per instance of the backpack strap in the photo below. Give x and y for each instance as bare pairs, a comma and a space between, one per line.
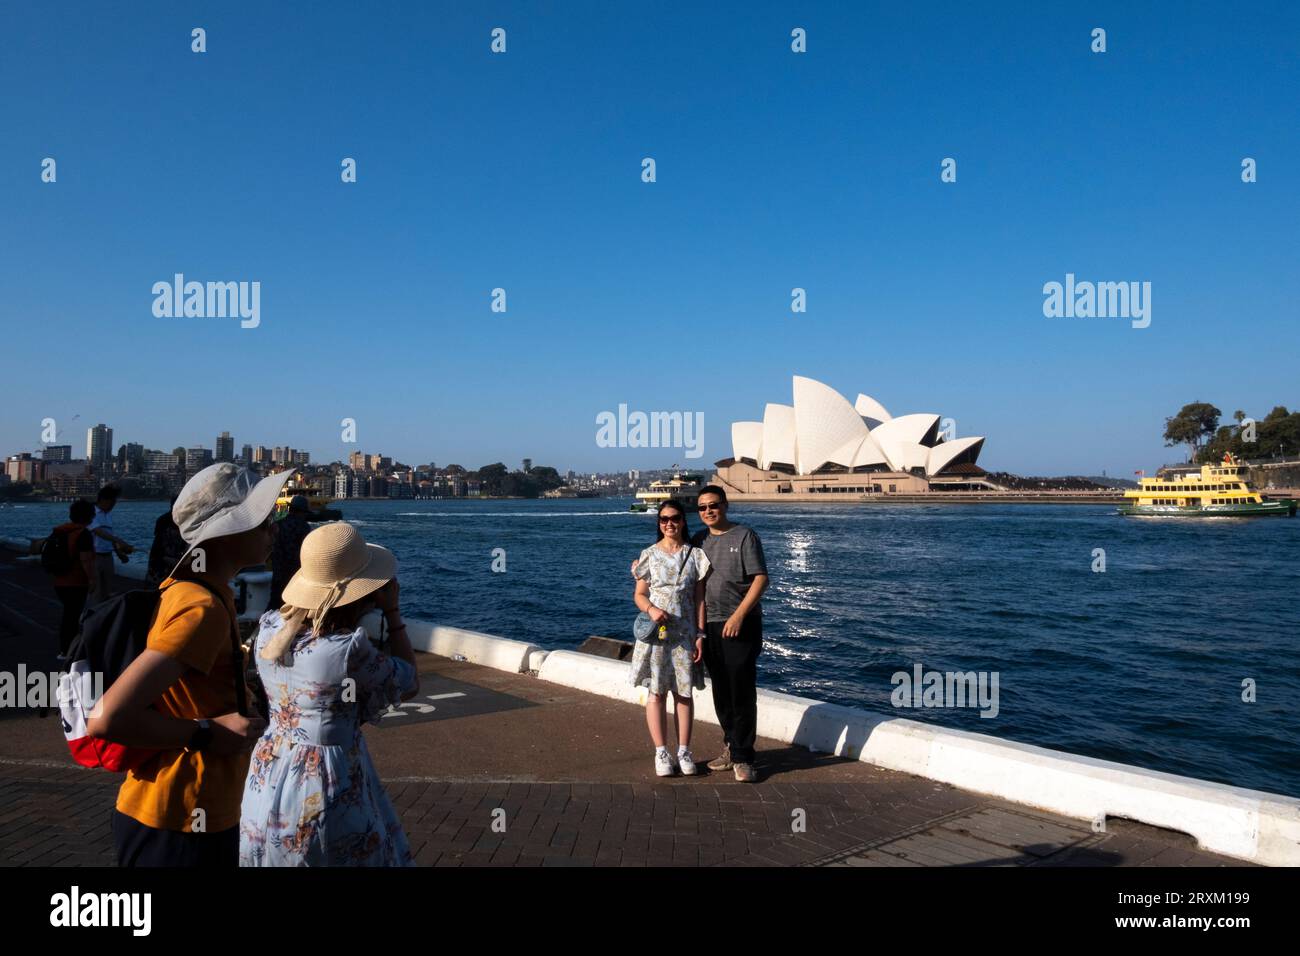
236, 648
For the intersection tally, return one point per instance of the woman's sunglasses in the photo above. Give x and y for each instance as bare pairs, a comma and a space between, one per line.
675, 519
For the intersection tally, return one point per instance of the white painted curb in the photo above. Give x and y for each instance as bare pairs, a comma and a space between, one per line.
1234, 821
1249, 824
497, 652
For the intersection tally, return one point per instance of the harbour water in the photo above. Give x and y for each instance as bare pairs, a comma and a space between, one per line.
1142, 663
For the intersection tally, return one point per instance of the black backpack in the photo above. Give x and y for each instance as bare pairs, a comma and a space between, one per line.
113, 634
56, 558
116, 632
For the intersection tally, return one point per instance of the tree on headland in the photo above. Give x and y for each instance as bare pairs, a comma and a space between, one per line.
1277, 434
497, 481
492, 479
1193, 426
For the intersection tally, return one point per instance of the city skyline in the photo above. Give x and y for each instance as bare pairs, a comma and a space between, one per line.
61, 452
672, 458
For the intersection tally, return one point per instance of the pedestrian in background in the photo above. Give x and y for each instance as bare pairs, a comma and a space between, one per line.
168, 546
106, 545
286, 559
72, 582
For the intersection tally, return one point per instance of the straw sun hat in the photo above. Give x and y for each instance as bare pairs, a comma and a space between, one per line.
337, 568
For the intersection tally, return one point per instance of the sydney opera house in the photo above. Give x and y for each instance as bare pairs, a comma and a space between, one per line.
823, 445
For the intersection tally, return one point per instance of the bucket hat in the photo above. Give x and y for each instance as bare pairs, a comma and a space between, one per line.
224, 499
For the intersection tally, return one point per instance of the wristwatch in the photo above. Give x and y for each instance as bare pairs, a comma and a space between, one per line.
201, 738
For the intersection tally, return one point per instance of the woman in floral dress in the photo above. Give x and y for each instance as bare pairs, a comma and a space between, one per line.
670, 588
312, 796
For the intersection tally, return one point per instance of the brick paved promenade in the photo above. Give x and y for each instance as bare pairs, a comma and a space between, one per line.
570, 777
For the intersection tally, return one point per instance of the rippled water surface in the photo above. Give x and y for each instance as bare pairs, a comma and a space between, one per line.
1143, 663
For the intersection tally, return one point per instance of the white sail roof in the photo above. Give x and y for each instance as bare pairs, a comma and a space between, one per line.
827, 426
747, 440
942, 454
901, 440
869, 453
822, 428
779, 436
914, 428
871, 410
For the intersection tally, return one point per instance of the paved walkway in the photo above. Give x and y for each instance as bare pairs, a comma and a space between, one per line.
490, 768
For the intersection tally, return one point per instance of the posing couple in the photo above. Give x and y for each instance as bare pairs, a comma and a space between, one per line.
702, 594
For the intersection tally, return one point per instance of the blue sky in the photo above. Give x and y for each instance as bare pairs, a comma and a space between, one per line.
522, 171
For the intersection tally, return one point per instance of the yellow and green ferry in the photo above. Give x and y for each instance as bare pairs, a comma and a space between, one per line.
317, 504
1218, 490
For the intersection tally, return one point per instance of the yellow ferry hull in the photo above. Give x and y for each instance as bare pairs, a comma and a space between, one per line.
1285, 508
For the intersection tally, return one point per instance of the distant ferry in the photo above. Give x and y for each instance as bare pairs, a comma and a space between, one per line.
1214, 490
317, 504
685, 488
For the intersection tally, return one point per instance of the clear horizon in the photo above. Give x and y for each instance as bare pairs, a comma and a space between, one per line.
523, 171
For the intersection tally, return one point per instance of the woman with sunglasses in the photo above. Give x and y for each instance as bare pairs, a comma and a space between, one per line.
670, 588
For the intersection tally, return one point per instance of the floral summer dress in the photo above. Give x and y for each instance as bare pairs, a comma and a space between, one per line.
312, 797
667, 665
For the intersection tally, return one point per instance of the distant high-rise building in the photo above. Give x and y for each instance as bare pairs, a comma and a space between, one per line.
225, 447
196, 459
99, 445
57, 453
262, 456
279, 455
301, 459
633, 474
130, 458
246, 454
342, 483
157, 462
357, 461
23, 467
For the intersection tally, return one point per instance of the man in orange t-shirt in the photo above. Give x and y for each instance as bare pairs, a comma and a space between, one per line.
181, 806
73, 585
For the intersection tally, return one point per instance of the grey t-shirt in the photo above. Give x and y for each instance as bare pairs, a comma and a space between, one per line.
735, 557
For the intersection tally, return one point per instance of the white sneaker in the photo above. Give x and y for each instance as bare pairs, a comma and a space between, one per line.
687, 763
665, 766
